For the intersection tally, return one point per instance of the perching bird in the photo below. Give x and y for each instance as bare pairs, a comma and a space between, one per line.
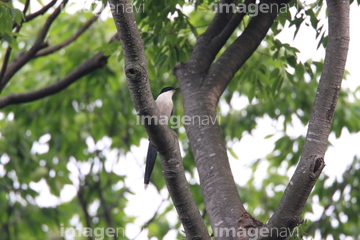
165, 104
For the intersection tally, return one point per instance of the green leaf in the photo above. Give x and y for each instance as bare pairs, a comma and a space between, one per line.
232, 153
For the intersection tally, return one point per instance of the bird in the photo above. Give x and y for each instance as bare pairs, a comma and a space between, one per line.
165, 105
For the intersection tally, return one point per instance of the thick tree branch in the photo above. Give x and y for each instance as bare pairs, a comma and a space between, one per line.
57, 47
94, 63
215, 36
22, 59
288, 213
244, 46
164, 139
222, 201
225, 209
221, 19
236, 19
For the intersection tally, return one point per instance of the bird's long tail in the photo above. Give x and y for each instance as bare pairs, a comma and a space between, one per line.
150, 162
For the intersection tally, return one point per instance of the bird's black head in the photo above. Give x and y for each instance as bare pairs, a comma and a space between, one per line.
166, 89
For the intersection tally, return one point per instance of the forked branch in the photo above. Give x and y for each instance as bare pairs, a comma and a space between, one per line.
71, 39
242, 48
40, 12
39, 43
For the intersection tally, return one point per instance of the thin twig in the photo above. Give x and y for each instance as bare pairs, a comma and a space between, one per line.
8, 53
57, 47
40, 12
151, 219
26, 6
84, 205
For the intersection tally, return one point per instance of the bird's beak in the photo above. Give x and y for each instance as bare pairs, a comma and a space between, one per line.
176, 88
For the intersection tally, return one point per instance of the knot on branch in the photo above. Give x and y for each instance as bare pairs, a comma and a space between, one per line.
135, 72
316, 166
295, 221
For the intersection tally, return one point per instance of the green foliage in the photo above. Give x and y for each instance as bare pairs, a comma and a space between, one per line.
97, 109
8, 16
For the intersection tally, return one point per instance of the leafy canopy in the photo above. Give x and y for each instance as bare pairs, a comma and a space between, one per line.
81, 136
